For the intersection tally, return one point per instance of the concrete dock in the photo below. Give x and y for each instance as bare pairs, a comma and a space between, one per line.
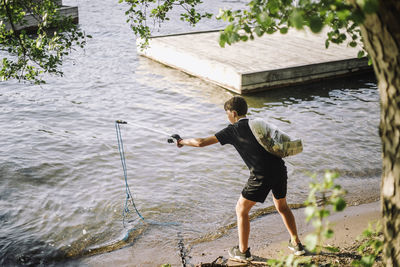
270, 61
31, 21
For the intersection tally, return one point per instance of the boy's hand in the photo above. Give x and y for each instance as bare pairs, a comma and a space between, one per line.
178, 144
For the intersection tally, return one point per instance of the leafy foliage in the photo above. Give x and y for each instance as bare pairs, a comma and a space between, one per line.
291, 261
331, 199
269, 16
371, 247
342, 18
323, 198
140, 11
31, 54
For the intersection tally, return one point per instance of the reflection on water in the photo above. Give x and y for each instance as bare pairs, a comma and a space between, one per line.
61, 182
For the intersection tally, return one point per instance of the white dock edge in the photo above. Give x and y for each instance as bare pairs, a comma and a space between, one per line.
270, 61
31, 23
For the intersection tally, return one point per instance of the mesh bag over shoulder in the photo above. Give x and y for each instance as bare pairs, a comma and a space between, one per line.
274, 140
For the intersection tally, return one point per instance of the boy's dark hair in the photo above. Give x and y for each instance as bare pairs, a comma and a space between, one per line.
238, 104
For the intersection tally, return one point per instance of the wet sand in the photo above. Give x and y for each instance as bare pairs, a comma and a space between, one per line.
268, 239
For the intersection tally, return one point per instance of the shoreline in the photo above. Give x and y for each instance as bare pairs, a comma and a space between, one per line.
347, 226
268, 239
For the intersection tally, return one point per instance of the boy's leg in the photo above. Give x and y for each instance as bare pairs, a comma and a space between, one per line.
288, 219
243, 207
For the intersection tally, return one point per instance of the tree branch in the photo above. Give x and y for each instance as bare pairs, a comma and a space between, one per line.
10, 18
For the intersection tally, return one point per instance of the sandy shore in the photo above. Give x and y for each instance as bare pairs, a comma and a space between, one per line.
268, 239
347, 226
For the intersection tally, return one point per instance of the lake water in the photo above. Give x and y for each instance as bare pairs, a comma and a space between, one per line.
62, 188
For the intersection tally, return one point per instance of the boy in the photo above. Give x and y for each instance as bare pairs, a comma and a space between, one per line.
267, 172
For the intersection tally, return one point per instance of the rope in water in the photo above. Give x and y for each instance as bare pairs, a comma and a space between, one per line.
127, 189
172, 138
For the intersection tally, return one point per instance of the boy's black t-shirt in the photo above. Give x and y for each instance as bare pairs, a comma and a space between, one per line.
260, 162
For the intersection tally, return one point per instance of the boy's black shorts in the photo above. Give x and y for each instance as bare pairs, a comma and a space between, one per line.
257, 187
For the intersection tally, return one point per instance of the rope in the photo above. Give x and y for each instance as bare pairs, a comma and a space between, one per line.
123, 162
173, 138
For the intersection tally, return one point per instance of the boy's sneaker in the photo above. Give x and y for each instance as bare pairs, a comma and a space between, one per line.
297, 249
235, 253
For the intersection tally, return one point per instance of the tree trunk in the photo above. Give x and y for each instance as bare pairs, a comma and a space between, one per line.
381, 33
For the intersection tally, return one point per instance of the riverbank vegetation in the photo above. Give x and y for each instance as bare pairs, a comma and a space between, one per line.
324, 198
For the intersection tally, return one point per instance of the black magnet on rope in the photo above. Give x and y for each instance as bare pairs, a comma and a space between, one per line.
174, 136
121, 122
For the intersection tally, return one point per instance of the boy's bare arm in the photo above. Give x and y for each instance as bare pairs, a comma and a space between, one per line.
198, 142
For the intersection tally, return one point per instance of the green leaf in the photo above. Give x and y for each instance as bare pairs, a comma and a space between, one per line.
317, 223
284, 30
244, 38
273, 6
353, 44
324, 213
229, 28
368, 260
330, 176
378, 246
289, 260
369, 6
316, 24
328, 233
309, 212
258, 31
357, 16
343, 14
246, 28
297, 19
222, 39
234, 37
339, 204
327, 42
264, 19
273, 262
311, 241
